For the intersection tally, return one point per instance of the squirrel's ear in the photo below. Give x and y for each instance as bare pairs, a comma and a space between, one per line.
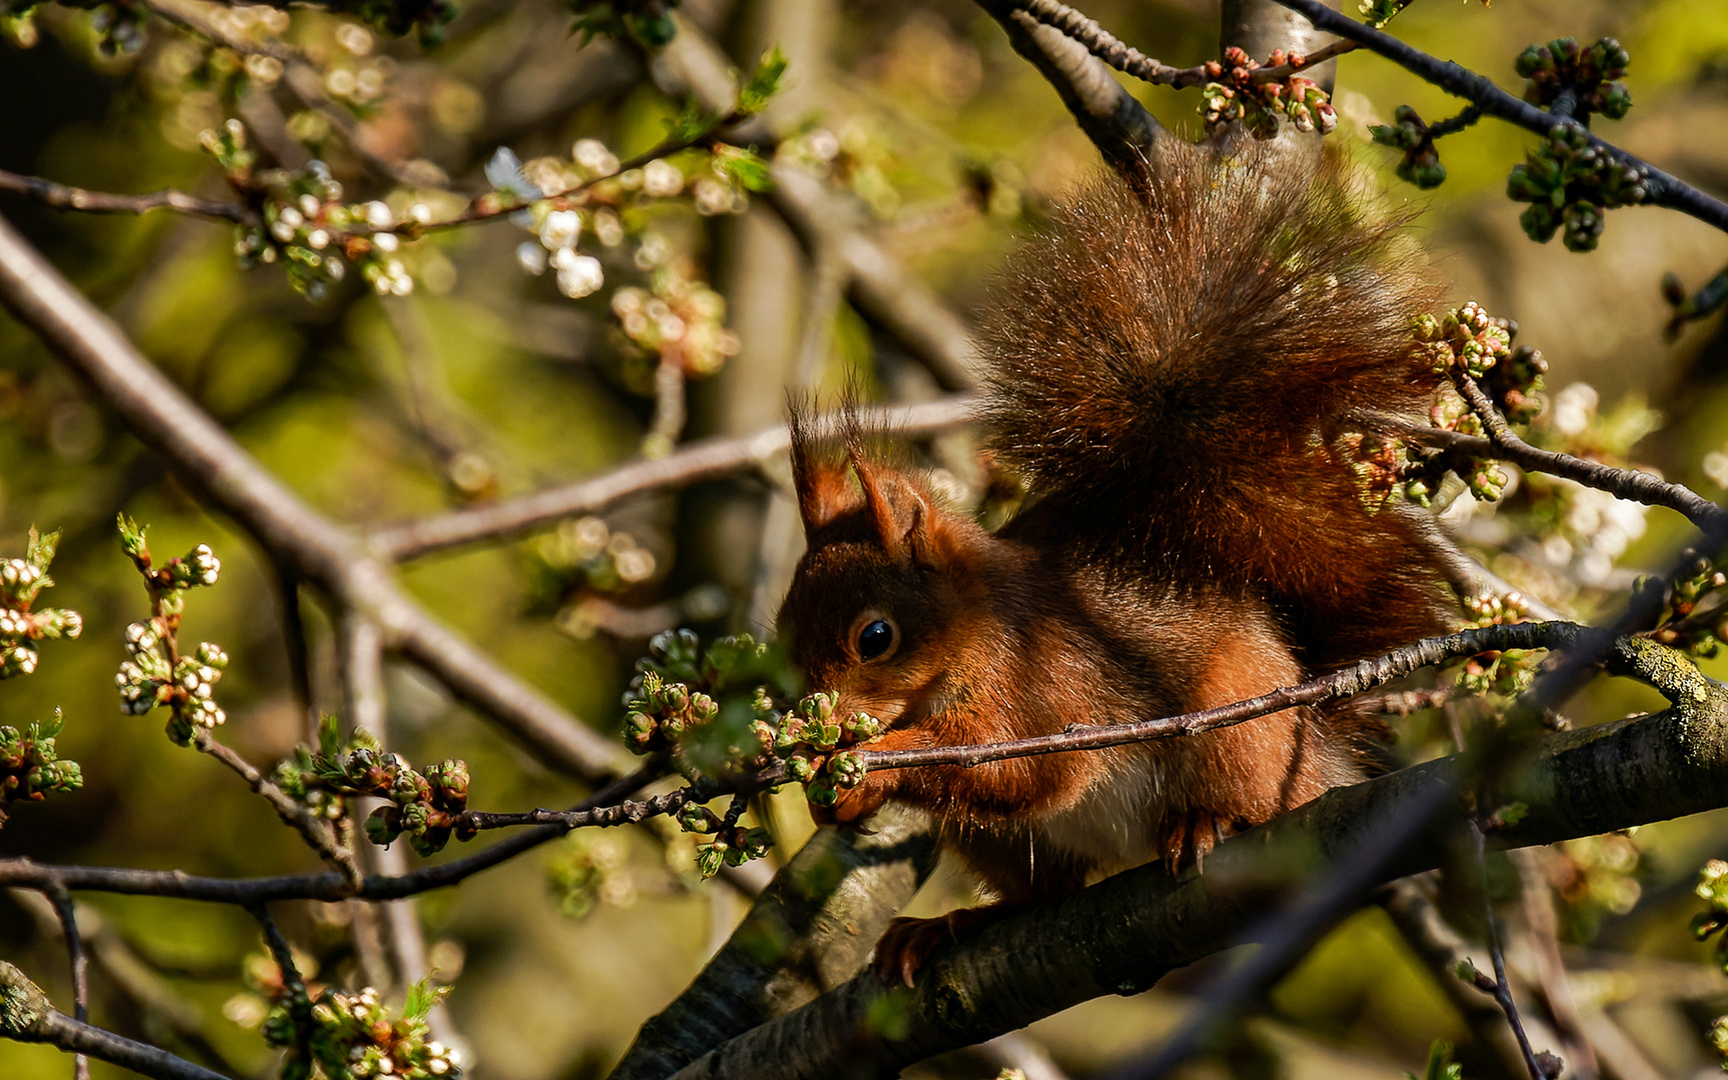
899, 516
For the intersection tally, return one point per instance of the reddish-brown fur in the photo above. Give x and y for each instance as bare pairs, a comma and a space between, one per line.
1175, 365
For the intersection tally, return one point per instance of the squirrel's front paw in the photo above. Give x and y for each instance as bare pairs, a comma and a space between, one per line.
853, 805
907, 943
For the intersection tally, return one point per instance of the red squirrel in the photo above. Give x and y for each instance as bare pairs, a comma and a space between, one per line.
1175, 367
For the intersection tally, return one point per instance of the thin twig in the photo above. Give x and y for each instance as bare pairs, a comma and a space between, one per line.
1339, 684
1502, 987
1441, 949
315, 830
24, 873
66, 197
280, 949
63, 910
689, 464
1108, 48
1623, 483
1665, 190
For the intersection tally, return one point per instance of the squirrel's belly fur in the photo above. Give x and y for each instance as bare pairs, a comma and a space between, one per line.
1180, 367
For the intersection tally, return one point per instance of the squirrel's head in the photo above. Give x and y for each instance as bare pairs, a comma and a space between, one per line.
883, 584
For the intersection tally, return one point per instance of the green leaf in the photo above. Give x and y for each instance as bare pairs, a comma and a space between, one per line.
329, 735
763, 83
421, 997
744, 166
40, 552
689, 125
50, 728
131, 536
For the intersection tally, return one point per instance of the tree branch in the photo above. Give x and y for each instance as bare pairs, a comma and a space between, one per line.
689, 464
1120, 936
23, 873
1665, 190
809, 932
1624, 483
68, 919
26, 1015
65, 197
1070, 51
316, 831
160, 415
1332, 687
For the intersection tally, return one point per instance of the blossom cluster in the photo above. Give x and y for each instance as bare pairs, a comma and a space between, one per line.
352, 1036
155, 672
307, 228
1589, 75
1570, 185
1235, 94
21, 580
426, 805
30, 767
711, 711
1409, 133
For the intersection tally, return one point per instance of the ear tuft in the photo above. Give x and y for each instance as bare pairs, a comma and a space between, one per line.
821, 486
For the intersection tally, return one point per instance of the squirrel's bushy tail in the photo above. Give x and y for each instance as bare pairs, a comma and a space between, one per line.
1177, 366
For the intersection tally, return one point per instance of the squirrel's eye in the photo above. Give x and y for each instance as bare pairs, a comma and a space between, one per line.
875, 639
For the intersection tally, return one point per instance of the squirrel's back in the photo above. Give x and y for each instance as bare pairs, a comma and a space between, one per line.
1178, 366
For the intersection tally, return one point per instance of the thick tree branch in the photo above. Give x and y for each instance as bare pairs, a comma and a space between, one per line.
65, 197
1120, 936
689, 464
289, 530
810, 931
1665, 190
26, 1015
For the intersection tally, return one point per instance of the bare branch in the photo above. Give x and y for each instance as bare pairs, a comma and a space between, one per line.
1441, 949
23, 873
1500, 986
65, 197
1102, 44
1624, 483
1665, 190
26, 1015
289, 530
68, 918
689, 464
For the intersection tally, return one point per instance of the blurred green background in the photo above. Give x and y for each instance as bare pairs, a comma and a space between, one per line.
487, 382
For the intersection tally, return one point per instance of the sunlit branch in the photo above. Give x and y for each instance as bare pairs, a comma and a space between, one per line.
66, 197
